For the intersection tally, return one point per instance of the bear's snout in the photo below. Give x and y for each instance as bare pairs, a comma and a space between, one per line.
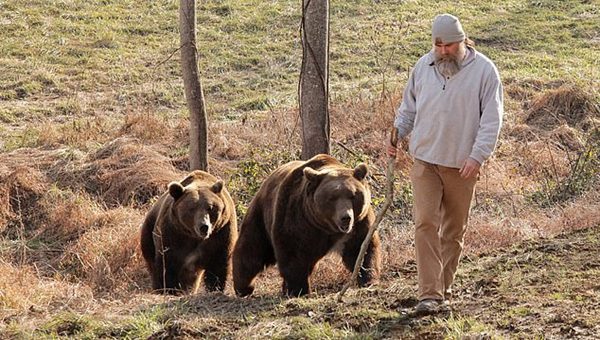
203, 230
346, 222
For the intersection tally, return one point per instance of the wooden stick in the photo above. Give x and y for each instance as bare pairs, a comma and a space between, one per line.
389, 197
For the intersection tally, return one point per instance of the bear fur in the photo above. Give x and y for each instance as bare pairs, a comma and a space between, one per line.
303, 210
189, 231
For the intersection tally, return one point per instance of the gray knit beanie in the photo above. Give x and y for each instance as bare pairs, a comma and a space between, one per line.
447, 29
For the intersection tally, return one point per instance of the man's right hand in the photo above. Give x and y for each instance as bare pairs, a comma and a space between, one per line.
391, 150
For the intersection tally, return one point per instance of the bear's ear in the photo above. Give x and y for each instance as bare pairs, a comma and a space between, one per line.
312, 175
217, 187
360, 172
176, 190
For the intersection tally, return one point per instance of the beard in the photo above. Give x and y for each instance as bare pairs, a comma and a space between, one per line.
450, 64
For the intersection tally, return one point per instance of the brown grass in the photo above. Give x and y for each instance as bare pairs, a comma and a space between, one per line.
25, 295
63, 215
151, 128
20, 189
70, 216
568, 137
107, 257
126, 172
568, 104
82, 133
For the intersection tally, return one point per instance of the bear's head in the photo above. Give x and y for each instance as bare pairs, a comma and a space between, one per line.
197, 208
340, 197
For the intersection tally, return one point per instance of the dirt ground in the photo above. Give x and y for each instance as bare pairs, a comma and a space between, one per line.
547, 288
542, 289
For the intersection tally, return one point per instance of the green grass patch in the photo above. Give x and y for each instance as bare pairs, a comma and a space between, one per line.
20, 139
250, 51
68, 325
144, 323
139, 325
305, 328
457, 327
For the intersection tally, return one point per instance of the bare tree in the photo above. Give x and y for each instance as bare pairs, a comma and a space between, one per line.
314, 78
193, 87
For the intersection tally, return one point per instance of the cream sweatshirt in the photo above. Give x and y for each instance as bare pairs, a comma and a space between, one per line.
452, 119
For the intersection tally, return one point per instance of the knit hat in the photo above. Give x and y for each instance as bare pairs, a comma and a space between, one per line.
447, 29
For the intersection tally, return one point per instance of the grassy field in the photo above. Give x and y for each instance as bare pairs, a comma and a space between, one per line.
93, 125
81, 58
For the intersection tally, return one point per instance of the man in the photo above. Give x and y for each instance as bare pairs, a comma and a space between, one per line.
452, 104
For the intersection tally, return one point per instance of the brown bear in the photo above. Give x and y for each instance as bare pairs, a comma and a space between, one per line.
303, 210
190, 230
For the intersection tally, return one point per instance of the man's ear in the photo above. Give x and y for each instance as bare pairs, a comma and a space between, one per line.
176, 190
312, 175
217, 187
361, 171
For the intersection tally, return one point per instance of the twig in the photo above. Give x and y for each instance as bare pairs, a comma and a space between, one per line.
346, 148
168, 58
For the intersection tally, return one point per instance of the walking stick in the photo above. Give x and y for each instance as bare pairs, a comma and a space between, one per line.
389, 195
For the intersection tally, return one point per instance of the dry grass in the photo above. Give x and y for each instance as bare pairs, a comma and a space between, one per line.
21, 189
107, 257
27, 296
152, 128
568, 104
81, 133
70, 217
125, 172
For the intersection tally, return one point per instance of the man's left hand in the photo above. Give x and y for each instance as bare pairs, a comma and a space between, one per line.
470, 168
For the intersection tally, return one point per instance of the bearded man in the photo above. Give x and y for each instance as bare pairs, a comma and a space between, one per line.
452, 109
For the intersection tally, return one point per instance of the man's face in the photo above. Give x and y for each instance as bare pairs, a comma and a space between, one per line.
448, 57
447, 50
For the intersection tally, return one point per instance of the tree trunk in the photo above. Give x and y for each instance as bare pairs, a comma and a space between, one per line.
314, 78
193, 88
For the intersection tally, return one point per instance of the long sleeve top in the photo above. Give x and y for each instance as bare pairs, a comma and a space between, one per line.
452, 118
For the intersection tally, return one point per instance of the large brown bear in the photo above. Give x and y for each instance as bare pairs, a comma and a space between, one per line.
303, 210
192, 227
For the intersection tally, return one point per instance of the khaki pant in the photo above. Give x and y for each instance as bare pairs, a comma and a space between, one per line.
442, 200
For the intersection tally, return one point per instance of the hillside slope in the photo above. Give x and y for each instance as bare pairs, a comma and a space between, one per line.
93, 126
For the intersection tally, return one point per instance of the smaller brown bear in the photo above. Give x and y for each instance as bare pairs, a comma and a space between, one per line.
303, 210
191, 228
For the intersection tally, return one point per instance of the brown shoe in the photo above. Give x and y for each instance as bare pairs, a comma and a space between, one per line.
428, 307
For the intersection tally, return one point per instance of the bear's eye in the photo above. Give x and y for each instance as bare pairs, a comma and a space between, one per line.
213, 209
